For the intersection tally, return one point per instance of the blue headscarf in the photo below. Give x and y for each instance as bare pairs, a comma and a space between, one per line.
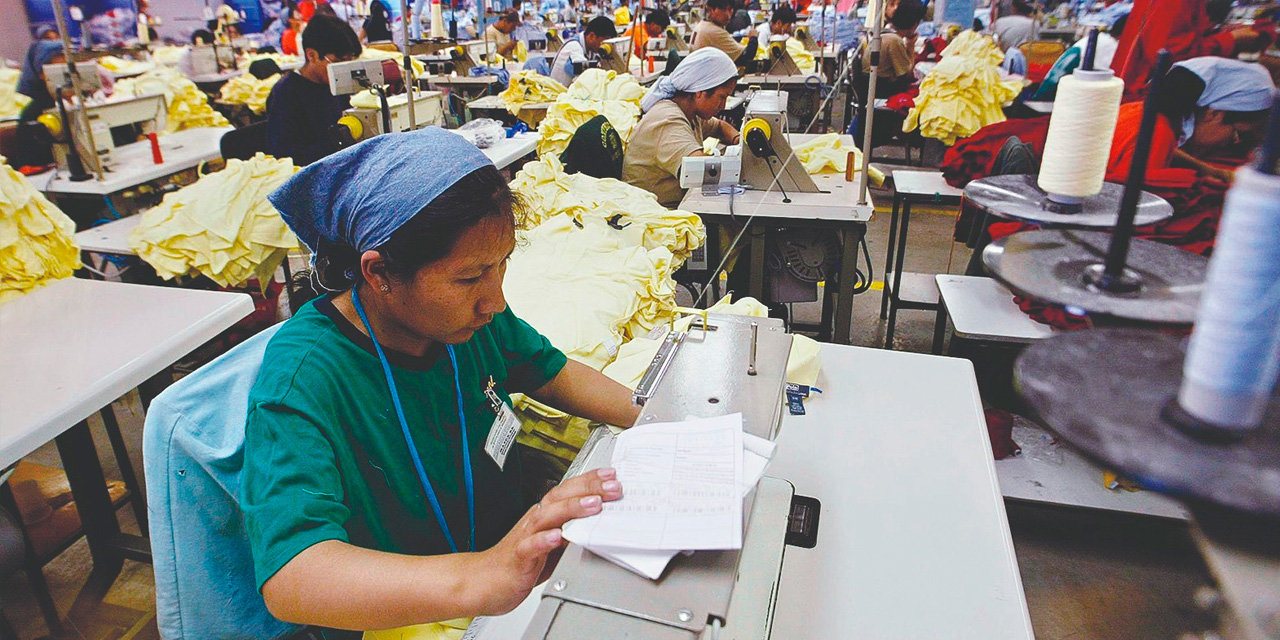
359, 196
40, 53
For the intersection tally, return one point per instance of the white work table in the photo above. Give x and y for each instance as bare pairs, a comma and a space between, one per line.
912, 539
111, 238
508, 150
983, 309
215, 78
132, 164
73, 346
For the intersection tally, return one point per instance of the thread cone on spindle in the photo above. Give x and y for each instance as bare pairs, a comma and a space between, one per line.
437, 20
1079, 140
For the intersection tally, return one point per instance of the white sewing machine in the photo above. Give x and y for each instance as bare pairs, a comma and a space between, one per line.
779, 62
88, 126
801, 33
615, 55
365, 123
764, 154
722, 365
212, 59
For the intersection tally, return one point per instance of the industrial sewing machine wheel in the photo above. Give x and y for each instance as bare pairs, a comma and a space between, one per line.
1018, 197
1055, 266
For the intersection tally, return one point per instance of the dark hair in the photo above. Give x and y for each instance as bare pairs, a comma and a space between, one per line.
1117, 27
323, 9
1217, 10
908, 15
510, 15
429, 235
1181, 89
719, 4
658, 17
602, 26
684, 94
1022, 7
784, 14
328, 35
202, 36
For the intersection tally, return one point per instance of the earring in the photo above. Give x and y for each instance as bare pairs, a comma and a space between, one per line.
384, 288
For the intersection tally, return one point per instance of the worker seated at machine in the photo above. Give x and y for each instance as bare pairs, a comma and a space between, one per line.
679, 113
300, 109
32, 145
582, 52
500, 34
896, 71
711, 32
655, 24
779, 24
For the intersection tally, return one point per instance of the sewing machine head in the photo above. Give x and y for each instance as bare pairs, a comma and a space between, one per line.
768, 163
57, 76
615, 54
364, 123
346, 78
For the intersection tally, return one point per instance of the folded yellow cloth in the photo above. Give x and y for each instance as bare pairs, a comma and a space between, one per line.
593, 93
828, 152
529, 87
419, 69
448, 630
221, 227
964, 92
168, 56
37, 240
11, 102
188, 105
549, 192
281, 59
799, 54
121, 66
249, 91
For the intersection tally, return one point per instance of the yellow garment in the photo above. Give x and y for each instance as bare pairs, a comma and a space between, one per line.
803, 58
37, 240
549, 191
188, 105
529, 87
964, 92
448, 630
593, 93
122, 67
281, 59
828, 152
419, 69
222, 226
11, 102
168, 56
249, 91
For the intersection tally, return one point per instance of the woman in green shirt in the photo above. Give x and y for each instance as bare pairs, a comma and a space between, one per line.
373, 492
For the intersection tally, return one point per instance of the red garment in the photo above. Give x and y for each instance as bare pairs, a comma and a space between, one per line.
1164, 141
903, 102
1176, 25
1000, 433
306, 9
289, 42
974, 157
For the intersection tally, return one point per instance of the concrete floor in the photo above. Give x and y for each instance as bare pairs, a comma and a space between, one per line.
1087, 575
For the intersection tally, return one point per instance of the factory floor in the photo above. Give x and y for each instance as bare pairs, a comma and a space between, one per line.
1086, 575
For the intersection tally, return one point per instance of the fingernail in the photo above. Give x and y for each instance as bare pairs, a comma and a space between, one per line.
590, 501
607, 474
611, 486
552, 537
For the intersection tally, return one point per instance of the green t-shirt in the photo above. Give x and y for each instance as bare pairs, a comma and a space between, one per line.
325, 458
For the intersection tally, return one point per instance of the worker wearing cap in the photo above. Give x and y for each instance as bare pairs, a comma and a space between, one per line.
578, 53
679, 113
300, 109
372, 495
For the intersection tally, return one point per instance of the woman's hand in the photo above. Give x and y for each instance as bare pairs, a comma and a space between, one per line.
1219, 175
525, 557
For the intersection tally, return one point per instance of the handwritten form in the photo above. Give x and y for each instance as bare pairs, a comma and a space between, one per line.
683, 488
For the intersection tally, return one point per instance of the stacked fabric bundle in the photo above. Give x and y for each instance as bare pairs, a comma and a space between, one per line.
631, 212
11, 102
37, 240
529, 87
281, 59
168, 56
121, 67
801, 56
828, 152
249, 91
188, 105
222, 226
964, 92
595, 92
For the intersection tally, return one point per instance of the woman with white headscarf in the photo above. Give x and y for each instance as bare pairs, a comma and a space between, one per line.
679, 113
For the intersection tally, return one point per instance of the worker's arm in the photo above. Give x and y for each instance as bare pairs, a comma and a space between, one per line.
339, 585
1207, 169
582, 391
508, 48
723, 131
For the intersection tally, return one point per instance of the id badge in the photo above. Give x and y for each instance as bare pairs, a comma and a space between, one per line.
502, 435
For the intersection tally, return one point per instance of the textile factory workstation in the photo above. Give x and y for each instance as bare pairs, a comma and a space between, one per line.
417, 298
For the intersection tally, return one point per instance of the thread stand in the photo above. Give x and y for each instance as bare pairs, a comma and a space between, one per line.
1018, 197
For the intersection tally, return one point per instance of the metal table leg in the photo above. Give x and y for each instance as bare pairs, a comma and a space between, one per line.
848, 266
888, 257
897, 273
101, 529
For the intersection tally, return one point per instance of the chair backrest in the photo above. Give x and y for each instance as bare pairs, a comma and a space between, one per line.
1042, 52
243, 143
193, 448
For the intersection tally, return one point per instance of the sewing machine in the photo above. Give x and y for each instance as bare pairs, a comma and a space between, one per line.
678, 43
766, 153
365, 123
212, 59
615, 55
91, 124
779, 62
459, 58
801, 33
722, 365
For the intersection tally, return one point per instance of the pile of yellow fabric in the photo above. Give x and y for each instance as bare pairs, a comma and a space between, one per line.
222, 226
11, 102
168, 56
594, 93
188, 105
121, 67
529, 87
964, 92
281, 59
419, 69
549, 192
37, 240
801, 56
249, 91
828, 152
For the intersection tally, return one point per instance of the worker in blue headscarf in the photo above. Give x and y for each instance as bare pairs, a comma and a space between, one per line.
380, 486
32, 143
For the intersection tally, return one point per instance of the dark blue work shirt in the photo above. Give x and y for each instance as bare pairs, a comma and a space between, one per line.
299, 115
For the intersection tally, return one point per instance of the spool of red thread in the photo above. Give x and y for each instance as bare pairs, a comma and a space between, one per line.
156, 157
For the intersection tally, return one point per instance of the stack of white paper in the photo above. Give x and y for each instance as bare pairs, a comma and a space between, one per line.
683, 485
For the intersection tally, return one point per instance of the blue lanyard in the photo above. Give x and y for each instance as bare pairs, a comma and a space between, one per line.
413, 449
